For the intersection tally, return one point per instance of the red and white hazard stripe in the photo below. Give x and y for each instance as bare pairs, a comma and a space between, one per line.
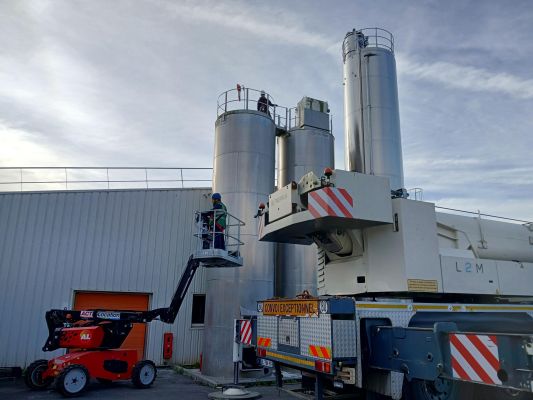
246, 332
475, 358
329, 201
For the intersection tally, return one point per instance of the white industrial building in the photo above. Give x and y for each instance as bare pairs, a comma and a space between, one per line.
65, 249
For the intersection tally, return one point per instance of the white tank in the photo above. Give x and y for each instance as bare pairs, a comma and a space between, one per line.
307, 147
371, 113
244, 175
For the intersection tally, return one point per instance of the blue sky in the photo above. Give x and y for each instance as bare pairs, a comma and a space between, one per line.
135, 83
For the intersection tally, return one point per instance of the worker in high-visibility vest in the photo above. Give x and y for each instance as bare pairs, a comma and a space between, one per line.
218, 220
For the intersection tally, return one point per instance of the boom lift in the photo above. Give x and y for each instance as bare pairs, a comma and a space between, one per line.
93, 337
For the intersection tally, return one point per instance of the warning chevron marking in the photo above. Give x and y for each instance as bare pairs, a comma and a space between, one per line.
329, 201
475, 358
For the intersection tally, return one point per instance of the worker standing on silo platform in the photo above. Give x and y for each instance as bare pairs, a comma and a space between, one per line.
218, 221
263, 103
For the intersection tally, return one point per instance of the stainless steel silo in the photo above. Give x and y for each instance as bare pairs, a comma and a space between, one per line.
371, 112
244, 159
308, 146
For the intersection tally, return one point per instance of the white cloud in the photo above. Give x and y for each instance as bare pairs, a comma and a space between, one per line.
446, 73
261, 26
121, 85
466, 77
21, 147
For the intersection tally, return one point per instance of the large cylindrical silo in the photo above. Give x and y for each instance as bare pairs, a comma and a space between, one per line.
371, 112
243, 173
306, 147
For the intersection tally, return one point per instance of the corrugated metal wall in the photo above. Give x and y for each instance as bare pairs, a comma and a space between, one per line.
55, 243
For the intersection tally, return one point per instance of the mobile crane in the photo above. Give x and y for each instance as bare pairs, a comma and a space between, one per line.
94, 337
412, 303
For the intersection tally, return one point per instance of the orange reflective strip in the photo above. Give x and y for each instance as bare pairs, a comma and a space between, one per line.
320, 352
264, 342
325, 352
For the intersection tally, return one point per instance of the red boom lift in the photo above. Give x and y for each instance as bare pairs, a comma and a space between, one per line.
93, 338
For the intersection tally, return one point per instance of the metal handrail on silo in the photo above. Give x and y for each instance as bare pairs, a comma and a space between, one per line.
239, 99
293, 117
374, 37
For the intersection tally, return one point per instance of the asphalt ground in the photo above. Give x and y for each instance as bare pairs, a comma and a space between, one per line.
168, 385
171, 385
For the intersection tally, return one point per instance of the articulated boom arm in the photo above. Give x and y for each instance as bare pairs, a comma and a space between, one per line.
169, 314
109, 328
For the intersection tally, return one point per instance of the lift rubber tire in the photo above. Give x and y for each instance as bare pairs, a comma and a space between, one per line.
441, 389
32, 377
73, 380
143, 374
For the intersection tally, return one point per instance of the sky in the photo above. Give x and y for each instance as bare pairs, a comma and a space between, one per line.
135, 83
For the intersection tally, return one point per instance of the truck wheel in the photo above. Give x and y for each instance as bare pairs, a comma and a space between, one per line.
72, 381
143, 374
440, 389
33, 376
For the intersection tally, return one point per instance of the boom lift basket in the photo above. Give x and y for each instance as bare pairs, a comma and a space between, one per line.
218, 247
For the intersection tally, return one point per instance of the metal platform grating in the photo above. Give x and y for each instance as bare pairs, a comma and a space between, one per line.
218, 258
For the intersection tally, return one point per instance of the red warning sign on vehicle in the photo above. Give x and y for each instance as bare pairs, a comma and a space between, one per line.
329, 201
246, 332
475, 358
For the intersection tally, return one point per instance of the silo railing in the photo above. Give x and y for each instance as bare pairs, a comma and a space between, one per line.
294, 118
368, 37
377, 37
244, 98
